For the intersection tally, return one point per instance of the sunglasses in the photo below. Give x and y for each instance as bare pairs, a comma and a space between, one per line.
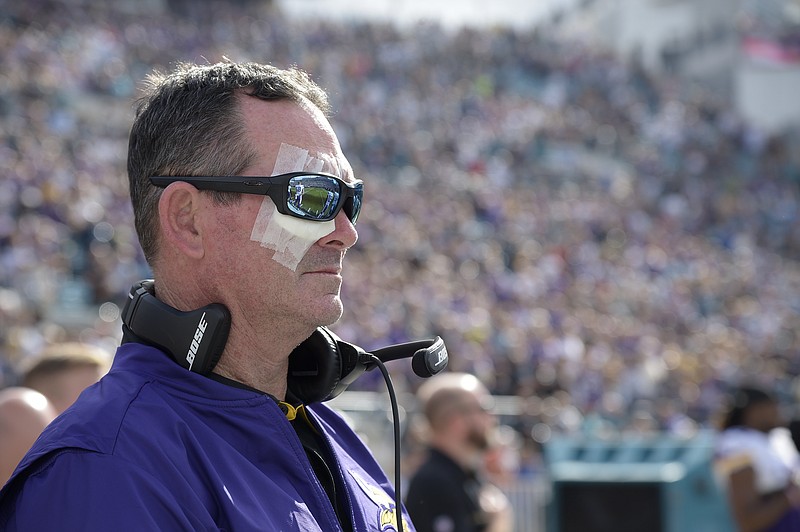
307, 195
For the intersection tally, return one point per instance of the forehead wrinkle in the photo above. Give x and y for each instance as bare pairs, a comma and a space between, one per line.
299, 124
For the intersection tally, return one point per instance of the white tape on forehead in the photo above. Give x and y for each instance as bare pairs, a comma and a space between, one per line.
290, 237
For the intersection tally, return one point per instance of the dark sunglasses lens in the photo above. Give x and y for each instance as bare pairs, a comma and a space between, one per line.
318, 197
314, 197
355, 204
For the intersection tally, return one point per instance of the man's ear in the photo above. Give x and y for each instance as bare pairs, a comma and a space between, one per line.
179, 213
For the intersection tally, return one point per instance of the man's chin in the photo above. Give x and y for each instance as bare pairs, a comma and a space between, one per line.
329, 311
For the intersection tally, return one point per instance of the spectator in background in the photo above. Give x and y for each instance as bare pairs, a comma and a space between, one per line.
64, 370
448, 493
24, 414
760, 464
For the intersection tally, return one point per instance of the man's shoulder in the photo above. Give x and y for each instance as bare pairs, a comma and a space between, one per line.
78, 489
94, 421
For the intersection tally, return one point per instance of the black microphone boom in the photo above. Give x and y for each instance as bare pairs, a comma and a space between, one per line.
428, 357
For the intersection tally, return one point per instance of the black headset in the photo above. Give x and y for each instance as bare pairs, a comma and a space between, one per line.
320, 368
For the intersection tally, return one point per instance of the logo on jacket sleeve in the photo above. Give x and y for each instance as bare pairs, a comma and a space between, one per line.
387, 516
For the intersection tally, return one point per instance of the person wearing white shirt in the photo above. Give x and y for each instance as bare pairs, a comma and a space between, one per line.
760, 463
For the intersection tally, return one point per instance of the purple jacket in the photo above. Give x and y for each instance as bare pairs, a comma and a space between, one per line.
155, 447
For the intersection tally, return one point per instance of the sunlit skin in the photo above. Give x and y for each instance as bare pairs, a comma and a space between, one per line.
24, 414
208, 255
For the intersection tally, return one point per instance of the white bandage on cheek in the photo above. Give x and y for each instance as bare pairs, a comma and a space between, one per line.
288, 236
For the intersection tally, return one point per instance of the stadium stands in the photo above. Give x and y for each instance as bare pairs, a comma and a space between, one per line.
611, 247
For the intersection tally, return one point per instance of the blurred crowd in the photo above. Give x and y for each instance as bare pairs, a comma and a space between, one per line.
614, 247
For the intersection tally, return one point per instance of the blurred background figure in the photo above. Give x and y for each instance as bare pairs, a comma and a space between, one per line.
24, 414
502, 458
449, 491
756, 454
62, 371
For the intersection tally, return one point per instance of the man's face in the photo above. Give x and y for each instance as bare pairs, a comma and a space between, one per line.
280, 270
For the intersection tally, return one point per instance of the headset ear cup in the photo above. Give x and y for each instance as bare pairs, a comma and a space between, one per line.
315, 368
195, 339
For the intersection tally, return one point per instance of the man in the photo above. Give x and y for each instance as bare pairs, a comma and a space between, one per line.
24, 414
160, 445
63, 370
447, 493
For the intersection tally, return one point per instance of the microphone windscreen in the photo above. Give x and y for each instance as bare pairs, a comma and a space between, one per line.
431, 360
419, 363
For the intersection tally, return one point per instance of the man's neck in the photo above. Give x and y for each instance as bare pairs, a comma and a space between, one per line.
259, 361
269, 378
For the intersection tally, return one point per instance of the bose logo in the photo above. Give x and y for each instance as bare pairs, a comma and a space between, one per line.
442, 357
198, 338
